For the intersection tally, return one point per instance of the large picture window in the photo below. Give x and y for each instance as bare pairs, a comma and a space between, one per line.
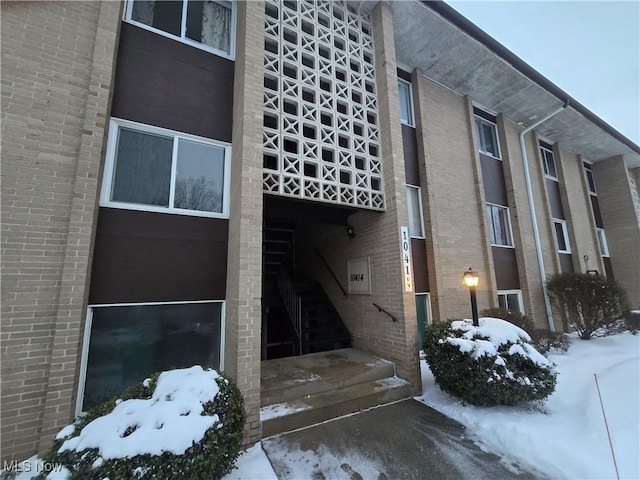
487, 137
127, 343
208, 24
499, 225
154, 169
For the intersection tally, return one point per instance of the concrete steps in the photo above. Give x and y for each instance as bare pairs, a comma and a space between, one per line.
301, 391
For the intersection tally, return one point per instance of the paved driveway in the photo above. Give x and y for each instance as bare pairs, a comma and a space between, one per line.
404, 440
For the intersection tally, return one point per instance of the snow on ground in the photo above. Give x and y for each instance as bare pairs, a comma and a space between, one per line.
566, 436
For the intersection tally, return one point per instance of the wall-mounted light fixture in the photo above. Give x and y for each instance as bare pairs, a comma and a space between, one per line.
351, 232
470, 279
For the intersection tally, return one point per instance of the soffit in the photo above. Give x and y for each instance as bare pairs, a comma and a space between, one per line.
446, 54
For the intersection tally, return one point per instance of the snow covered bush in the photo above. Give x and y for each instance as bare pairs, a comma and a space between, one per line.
492, 364
184, 423
543, 340
592, 304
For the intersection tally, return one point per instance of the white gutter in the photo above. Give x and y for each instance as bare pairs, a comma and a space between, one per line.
532, 208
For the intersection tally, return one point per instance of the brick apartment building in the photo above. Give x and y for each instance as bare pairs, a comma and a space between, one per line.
176, 174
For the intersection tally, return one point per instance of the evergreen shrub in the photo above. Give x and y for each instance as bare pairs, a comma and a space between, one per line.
212, 457
472, 364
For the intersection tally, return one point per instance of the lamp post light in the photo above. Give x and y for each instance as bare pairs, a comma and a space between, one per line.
470, 279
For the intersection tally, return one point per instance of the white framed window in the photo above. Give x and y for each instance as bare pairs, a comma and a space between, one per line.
487, 137
591, 183
406, 103
511, 300
548, 163
158, 170
416, 220
602, 241
499, 223
209, 25
125, 343
562, 236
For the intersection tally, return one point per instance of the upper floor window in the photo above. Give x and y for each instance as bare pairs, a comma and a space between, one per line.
416, 227
158, 170
499, 225
209, 24
591, 184
406, 103
548, 162
487, 137
562, 236
602, 241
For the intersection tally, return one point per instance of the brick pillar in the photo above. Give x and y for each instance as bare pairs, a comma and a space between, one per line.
244, 263
621, 225
66, 353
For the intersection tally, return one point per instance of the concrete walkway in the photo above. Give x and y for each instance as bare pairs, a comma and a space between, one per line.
404, 440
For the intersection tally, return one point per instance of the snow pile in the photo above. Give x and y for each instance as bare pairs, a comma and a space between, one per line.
486, 339
567, 437
170, 421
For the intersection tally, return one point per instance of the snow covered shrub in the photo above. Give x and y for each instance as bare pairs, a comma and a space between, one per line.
493, 364
180, 424
543, 340
592, 304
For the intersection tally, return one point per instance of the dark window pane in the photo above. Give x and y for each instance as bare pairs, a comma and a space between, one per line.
562, 243
489, 139
591, 181
163, 15
143, 168
199, 177
209, 22
128, 343
549, 164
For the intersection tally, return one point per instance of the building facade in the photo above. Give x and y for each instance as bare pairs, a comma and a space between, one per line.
172, 172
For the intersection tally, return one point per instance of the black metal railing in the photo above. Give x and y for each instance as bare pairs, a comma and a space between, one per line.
292, 302
380, 309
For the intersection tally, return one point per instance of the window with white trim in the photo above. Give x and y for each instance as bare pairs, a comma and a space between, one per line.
159, 170
487, 137
414, 202
548, 163
562, 236
591, 183
208, 25
602, 241
511, 300
499, 224
406, 103
126, 343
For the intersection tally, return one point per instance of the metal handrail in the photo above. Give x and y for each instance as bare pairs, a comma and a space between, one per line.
344, 292
380, 309
292, 302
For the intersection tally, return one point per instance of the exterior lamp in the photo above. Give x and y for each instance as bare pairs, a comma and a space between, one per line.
470, 279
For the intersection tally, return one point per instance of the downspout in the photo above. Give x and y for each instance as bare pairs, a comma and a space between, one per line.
532, 209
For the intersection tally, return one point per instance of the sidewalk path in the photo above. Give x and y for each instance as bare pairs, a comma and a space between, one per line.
404, 440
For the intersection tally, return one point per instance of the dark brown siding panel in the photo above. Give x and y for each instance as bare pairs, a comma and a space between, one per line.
162, 82
504, 261
597, 216
493, 178
155, 257
608, 270
410, 146
420, 273
566, 264
553, 188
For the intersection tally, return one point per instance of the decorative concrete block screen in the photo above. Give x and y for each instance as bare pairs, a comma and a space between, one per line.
321, 135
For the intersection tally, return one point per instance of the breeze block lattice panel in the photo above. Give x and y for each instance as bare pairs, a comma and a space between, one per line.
321, 135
